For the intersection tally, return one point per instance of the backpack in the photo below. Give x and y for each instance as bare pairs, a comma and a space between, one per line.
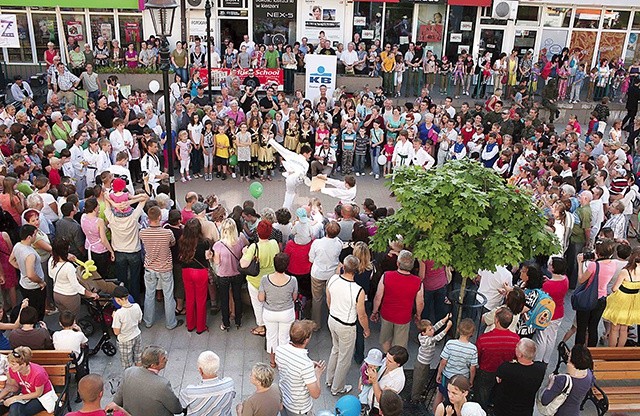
539, 317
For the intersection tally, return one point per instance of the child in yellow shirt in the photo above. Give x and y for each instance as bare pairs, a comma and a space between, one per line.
222, 152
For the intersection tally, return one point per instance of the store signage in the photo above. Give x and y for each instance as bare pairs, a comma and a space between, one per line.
9, 31
274, 9
198, 27
237, 4
320, 70
76, 4
466, 26
233, 13
265, 75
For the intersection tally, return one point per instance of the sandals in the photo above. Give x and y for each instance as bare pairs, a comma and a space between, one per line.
259, 332
179, 311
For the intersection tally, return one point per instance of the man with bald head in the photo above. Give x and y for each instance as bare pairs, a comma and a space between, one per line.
580, 236
90, 390
518, 382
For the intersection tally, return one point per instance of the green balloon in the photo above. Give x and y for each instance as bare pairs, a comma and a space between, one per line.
256, 189
233, 160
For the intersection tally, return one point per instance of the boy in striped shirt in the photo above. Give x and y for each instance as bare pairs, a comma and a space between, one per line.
459, 356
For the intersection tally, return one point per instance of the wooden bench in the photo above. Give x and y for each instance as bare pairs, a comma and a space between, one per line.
58, 365
618, 365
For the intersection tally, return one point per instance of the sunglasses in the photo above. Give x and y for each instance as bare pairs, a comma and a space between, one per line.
16, 354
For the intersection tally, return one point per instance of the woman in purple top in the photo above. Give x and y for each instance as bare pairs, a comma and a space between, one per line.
579, 369
131, 56
227, 253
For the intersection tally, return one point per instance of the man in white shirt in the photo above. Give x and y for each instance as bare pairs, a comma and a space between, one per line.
344, 190
324, 256
151, 165
420, 157
389, 377
249, 44
491, 285
296, 166
120, 138
78, 162
20, 89
78, 120
349, 58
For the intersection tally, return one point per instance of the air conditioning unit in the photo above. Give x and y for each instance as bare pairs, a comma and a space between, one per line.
504, 9
195, 4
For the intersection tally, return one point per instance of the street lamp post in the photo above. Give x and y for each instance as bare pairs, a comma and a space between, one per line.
207, 15
162, 14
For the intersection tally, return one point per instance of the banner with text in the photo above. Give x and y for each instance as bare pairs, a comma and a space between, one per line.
319, 70
9, 31
266, 76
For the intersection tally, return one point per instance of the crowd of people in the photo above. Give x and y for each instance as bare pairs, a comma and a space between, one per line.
92, 183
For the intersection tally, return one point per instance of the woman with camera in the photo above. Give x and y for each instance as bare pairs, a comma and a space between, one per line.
602, 270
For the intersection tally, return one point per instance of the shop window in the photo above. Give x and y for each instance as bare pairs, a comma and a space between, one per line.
636, 21
45, 30
553, 41
75, 29
587, 18
585, 42
525, 40
611, 44
616, 19
486, 18
632, 54
398, 23
70, 9
43, 9
556, 17
22, 54
462, 21
367, 21
431, 27
102, 26
528, 15
130, 30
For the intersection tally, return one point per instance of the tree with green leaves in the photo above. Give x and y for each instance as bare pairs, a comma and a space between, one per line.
465, 216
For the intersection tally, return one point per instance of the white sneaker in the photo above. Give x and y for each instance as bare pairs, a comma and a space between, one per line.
233, 175
377, 177
371, 173
357, 174
183, 180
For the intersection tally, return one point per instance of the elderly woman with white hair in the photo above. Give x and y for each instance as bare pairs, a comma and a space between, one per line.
213, 395
266, 400
61, 129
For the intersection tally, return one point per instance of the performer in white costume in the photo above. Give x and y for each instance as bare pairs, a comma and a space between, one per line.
296, 166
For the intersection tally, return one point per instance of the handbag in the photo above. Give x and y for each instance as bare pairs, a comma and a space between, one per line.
253, 269
553, 406
585, 297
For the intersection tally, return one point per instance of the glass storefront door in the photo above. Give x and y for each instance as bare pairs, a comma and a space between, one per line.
525, 40
491, 41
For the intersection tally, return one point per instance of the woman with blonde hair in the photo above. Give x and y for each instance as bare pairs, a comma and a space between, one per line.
266, 400
363, 278
226, 256
31, 382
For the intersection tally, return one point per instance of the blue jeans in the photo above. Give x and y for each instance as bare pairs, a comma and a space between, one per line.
184, 74
434, 307
375, 152
359, 163
30, 408
127, 268
151, 279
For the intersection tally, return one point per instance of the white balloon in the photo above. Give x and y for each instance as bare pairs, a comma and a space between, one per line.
60, 145
154, 86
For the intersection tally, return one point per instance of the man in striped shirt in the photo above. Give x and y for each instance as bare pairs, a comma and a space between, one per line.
299, 376
213, 396
158, 267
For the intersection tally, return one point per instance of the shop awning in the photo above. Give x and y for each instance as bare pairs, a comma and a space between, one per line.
80, 4
481, 3
381, 1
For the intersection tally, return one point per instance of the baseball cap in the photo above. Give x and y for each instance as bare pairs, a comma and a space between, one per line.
120, 292
198, 207
301, 213
118, 185
374, 357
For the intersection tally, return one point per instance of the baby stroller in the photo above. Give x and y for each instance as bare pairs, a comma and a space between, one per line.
100, 312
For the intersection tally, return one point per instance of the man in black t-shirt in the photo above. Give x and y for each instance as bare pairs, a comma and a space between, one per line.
251, 81
201, 100
325, 48
268, 103
518, 382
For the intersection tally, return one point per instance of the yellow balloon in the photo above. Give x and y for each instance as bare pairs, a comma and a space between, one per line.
89, 267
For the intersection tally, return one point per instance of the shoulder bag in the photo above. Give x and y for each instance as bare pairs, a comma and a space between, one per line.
585, 297
551, 408
253, 269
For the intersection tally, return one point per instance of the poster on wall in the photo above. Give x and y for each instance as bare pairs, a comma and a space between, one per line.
9, 31
323, 17
198, 27
132, 33
610, 47
319, 70
106, 31
274, 21
74, 30
552, 42
585, 42
633, 52
431, 26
